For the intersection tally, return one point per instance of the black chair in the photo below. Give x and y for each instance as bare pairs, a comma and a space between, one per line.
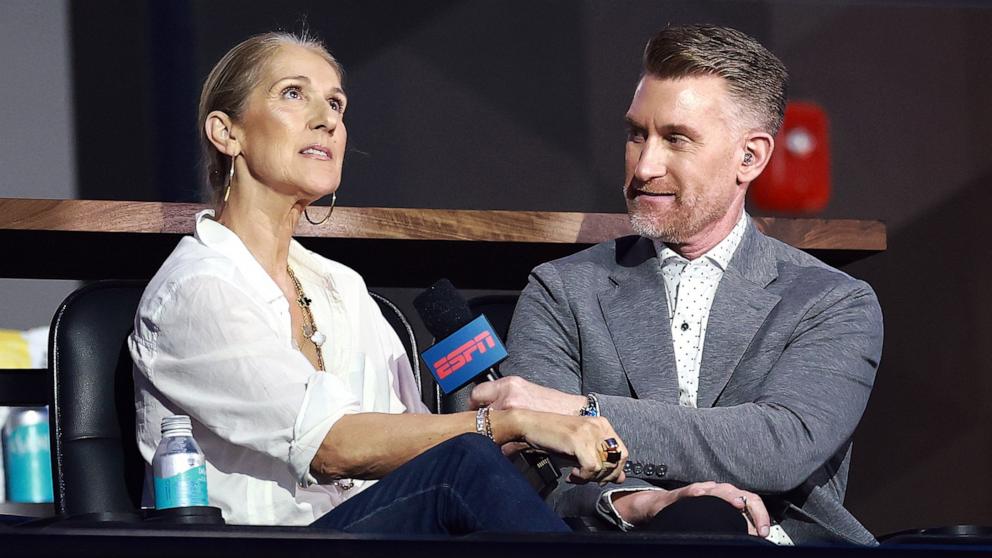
97, 468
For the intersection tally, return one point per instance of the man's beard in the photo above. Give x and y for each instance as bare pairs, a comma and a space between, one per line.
687, 218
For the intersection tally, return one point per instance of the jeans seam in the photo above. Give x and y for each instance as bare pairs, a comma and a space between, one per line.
421, 492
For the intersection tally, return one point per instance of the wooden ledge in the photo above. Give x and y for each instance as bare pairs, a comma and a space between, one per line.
90, 216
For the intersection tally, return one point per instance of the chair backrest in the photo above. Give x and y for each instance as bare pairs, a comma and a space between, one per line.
499, 311
97, 469
403, 329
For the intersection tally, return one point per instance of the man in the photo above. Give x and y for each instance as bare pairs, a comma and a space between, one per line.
716, 352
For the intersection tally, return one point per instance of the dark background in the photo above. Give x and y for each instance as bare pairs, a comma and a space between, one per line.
519, 105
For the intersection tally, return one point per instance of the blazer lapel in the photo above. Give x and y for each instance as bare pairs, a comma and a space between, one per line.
740, 307
636, 312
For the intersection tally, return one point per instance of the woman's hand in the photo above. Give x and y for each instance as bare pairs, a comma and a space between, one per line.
580, 438
638, 507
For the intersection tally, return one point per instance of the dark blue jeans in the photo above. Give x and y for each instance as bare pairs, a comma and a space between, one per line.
464, 485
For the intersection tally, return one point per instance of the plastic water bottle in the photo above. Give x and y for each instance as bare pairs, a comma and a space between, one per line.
179, 468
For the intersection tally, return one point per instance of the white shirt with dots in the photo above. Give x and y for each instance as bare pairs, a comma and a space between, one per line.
690, 287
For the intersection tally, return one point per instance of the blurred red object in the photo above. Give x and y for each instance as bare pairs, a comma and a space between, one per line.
797, 178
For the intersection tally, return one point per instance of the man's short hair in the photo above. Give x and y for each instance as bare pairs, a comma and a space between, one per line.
755, 77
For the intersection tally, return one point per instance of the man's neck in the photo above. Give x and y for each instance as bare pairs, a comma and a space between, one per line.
705, 240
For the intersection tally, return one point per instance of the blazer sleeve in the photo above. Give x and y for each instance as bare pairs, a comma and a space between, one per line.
807, 407
543, 341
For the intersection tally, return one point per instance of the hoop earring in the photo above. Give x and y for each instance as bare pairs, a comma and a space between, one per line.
334, 199
230, 179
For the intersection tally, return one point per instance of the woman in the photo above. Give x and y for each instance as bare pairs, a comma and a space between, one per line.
300, 393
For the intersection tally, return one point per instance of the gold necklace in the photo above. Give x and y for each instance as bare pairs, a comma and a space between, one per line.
309, 326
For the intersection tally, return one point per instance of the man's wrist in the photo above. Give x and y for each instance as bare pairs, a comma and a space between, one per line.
570, 404
642, 505
628, 508
518, 393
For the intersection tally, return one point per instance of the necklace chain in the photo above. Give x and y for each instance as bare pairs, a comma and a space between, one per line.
309, 327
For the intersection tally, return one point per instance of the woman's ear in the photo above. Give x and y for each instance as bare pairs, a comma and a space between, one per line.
220, 132
758, 147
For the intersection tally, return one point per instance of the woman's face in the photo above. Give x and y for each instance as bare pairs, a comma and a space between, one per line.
292, 133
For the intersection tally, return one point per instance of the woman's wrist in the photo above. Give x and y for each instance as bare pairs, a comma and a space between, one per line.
506, 426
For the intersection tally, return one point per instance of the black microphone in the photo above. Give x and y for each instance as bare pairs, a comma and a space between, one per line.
443, 309
446, 315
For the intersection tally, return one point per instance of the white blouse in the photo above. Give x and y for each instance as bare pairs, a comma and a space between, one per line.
212, 339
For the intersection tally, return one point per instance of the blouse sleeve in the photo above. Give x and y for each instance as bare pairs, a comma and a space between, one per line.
214, 352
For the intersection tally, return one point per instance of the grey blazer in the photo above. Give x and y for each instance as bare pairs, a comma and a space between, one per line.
789, 359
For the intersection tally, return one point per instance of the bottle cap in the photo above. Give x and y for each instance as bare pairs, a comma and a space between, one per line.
177, 425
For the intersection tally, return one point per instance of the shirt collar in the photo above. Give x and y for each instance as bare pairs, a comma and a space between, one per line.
719, 254
222, 239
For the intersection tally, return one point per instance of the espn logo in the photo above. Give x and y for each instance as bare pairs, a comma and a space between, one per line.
460, 357
463, 354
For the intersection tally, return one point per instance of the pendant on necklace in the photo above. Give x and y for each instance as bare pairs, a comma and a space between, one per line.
318, 338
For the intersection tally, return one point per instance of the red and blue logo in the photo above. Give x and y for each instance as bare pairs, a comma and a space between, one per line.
459, 358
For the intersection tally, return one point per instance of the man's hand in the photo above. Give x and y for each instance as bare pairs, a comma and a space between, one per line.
514, 392
580, 440
637, 507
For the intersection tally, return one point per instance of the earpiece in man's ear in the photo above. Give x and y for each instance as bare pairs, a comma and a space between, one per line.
748, 158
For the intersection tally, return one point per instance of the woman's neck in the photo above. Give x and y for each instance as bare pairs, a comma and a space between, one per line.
265, 222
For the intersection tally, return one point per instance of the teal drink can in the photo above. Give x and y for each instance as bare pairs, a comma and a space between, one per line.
27, 456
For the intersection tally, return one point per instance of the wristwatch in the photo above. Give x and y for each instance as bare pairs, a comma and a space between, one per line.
592, 407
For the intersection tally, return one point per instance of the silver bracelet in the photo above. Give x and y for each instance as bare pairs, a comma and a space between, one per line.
483, 425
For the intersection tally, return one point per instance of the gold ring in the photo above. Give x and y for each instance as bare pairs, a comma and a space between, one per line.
609, 451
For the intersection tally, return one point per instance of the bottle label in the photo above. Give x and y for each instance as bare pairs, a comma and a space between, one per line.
188, 488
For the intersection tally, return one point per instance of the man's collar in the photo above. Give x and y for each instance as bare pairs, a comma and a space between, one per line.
721, 254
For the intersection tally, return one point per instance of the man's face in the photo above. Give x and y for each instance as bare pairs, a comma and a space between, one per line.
683, 152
